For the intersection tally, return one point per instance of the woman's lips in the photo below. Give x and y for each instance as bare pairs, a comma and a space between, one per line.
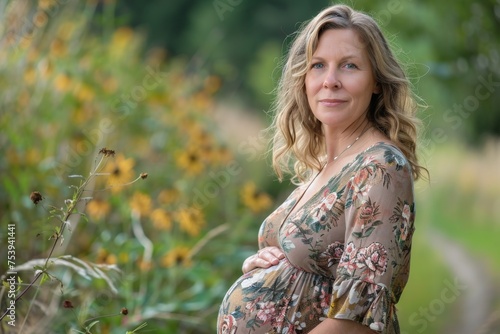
331, 102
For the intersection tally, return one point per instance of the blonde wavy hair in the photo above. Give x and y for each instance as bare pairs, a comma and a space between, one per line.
298, 142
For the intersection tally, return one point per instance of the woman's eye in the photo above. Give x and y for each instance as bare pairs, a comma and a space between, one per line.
350, 66
317, 65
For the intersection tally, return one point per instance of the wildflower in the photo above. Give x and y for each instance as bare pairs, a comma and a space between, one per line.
256, 201
68, 304
46, 4
120, 172
168, 196
191, 161
191, 220
36, 197
176, 256
141, 203
57, 48
30, 76
40, 19
62, 82
97, 209
103, 256
144, 265
84, 93
161, 219
222, 155
121, 40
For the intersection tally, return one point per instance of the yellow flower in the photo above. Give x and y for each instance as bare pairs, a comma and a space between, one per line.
66, 30
221, 155
84, 93
161, 219
46, 4
141, 203
121, 40
144, 265
104, 257
256, 201
57, 48
40, 19
121, 172
29, 76
190, 160
62, 83
123, 257
176, 256
168, 196
190, 220
97, 209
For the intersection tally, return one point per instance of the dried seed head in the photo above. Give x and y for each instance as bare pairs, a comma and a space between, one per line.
36, 197
106, 152
144, 176
67, 304
124, 311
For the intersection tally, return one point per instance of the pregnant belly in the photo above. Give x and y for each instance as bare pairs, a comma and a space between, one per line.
270, 299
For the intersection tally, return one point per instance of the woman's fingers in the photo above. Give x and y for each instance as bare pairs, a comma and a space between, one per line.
264, 258
271, 254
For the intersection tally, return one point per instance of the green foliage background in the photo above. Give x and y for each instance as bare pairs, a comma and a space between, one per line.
179, 90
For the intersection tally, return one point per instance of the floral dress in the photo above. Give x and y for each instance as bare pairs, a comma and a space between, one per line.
347, 253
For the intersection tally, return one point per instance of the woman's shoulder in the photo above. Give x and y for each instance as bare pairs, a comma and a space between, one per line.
386, 150
385, 153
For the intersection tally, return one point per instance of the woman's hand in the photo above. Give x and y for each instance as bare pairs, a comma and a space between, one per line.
264, 258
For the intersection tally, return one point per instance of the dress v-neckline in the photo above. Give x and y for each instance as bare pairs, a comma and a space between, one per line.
322, 188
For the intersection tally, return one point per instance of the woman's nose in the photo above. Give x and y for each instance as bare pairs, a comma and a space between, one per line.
332, 80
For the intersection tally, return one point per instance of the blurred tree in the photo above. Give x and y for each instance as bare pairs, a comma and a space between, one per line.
452, 49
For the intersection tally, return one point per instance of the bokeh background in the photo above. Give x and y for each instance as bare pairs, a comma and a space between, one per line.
181, 90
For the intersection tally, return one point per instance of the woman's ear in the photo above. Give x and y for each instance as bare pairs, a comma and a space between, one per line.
377, 89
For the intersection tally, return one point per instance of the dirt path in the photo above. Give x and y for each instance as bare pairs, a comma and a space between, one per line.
475, 289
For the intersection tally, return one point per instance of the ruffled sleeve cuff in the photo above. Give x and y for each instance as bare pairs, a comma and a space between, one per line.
367, 303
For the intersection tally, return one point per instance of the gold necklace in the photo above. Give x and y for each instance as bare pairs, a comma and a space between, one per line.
350, 145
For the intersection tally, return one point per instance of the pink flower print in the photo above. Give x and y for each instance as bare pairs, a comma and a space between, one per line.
267, 311
373, 261
333, 253
368, 212
229, 324
405, 223
328, 201
348, 259
359, 185
250, 306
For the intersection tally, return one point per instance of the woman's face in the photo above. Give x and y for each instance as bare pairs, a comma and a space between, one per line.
340, 81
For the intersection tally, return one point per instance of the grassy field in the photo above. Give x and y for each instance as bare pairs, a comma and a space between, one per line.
461, 201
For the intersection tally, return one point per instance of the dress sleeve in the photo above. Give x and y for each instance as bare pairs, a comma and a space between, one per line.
374, 267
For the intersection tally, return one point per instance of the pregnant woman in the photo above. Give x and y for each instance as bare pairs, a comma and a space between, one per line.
335, 256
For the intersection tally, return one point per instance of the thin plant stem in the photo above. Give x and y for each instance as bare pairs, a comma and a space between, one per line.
69, 212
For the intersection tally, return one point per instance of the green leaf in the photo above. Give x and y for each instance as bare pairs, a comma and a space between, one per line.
45, 277
368, 231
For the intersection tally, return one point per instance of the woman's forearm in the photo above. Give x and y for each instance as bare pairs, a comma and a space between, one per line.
334, 326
